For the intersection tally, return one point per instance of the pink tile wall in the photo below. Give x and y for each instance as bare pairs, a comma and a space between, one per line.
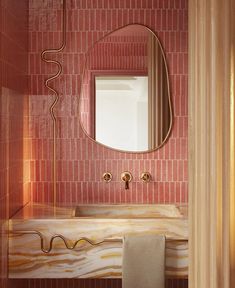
81, 162
14, 176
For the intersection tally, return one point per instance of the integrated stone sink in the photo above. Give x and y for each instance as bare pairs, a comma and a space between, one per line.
128, 211
105, 225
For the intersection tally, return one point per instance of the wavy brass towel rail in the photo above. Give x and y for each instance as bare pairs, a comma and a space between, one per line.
64, 240
73, 246
56, 99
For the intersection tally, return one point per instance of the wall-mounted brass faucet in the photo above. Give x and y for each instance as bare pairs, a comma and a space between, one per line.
126, 177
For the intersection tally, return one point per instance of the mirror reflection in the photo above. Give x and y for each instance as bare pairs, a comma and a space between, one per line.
125, 102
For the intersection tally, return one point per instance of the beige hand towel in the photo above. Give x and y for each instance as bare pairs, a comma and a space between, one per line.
143, 263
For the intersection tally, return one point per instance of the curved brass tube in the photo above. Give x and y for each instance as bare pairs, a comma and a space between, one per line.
64, 240
56, 99
73, 246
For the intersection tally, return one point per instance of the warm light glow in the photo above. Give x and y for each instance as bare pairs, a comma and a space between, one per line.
26, 153
232, 168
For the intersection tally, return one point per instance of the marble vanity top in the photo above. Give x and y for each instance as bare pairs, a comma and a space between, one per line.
96, 223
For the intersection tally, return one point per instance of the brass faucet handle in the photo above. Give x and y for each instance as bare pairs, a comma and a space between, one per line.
146, 177
126, 177
107, 177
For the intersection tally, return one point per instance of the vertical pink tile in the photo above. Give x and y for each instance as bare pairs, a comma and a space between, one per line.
84, 162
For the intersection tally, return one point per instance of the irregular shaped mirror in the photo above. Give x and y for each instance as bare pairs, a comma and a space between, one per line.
125, 99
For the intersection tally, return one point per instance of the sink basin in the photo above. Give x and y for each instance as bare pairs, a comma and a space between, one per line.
128, 211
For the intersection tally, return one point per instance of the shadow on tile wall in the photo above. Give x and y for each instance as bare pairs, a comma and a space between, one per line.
14, 175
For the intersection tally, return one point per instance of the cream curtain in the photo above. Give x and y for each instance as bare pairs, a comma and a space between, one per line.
211, 143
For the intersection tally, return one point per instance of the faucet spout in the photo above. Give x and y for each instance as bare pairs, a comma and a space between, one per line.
126, 177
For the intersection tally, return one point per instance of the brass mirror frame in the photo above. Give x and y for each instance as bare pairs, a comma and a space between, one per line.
168, 89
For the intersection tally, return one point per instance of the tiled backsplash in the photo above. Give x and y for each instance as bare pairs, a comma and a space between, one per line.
81, 162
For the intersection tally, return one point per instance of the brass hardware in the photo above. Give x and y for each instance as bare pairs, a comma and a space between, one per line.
145, 176
126, 177
73, 246
56, 99
107, 177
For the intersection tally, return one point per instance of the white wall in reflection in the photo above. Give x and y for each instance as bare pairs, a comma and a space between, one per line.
122, 112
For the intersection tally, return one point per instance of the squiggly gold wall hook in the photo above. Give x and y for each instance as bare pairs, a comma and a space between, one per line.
56, 99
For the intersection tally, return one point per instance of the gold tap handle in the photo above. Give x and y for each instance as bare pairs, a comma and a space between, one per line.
107, 177
146, 177
126, 177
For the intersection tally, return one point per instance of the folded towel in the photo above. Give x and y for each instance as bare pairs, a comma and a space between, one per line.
143, 263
